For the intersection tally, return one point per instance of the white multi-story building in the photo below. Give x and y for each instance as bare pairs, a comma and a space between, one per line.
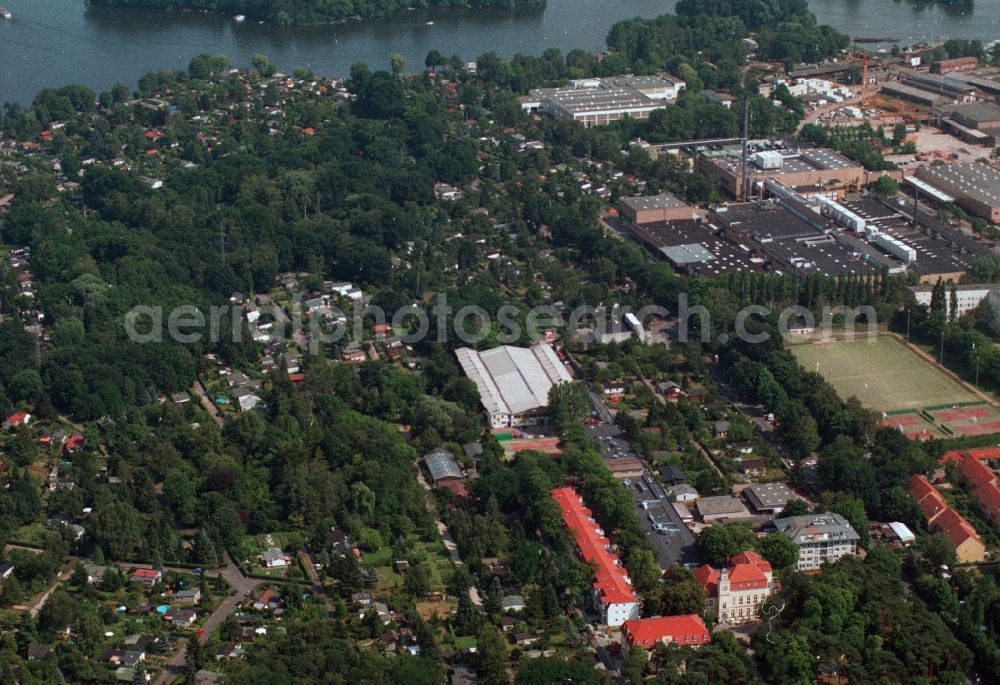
821, 538
736, 592
969, 295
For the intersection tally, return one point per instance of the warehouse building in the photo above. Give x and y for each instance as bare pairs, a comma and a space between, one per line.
946, 66
767, 498
946, 86
650, 208
897, 89
514, 382
984, 85
975, 186
793, 238
594, 102
805, 168
941, 251
693, 248
977, 123
721, 508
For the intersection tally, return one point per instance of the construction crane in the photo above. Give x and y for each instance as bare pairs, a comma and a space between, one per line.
862, 55
864, 80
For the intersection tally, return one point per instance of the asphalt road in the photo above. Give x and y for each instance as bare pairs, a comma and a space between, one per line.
242, 585
673, 548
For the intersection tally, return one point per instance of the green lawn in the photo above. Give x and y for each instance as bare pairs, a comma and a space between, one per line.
434, 554
882, 372
32, 535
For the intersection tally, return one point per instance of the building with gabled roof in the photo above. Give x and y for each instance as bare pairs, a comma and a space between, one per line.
514, 382
969, 546
736, 592
928, 499
939, 517
16, 420
147, 576
983, 482
686, 630
613, 594
442, 465
975, 472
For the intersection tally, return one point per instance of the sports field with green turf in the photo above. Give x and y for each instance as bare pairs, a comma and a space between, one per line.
882, 372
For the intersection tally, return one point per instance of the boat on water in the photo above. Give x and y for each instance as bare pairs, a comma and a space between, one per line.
240, 18
430, 23
5, 13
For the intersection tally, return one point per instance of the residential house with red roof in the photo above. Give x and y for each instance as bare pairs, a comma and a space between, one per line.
939, 517
147, 576
929, 500
975, 472
16, 420
613, 594
688, 630
736, 592
983, 482
75, 443
968, 545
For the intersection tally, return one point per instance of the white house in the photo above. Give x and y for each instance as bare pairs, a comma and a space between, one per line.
273, 557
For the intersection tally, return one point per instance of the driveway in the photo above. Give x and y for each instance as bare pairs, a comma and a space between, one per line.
206, 402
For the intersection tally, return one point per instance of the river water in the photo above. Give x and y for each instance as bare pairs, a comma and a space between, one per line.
55, 42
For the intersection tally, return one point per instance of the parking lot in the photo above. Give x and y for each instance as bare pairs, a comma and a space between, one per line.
672, 542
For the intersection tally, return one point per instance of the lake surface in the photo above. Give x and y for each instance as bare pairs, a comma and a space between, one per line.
55, 42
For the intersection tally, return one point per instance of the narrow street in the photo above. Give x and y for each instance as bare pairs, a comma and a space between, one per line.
446, 538
37, 606
242, 587
241, 584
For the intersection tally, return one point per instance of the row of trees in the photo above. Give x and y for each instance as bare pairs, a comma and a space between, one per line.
288, 12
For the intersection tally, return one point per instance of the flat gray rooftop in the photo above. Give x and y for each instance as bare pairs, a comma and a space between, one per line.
979, 182
661, 201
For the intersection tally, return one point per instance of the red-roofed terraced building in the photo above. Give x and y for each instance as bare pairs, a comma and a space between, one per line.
975, 472
687, 630
988, 499
929, 500
613, 594
939, 517
968, 545
735, 593
983, 482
